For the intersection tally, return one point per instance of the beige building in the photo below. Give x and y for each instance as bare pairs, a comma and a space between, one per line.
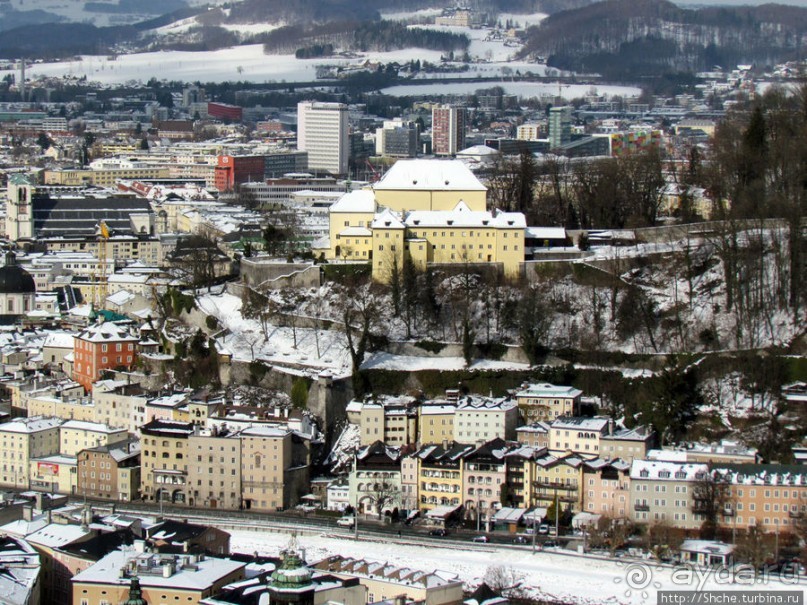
627, 444
481, 419
77, 408
110, 472
274, 468
606, 486
436, 422
578, 435
534, 435
662, 491
214, 469
77, 435
385, 582
163, 578
392, 420
103, 177
22, 440
430, 185
55, 474
120, 404
546, 402
164, 461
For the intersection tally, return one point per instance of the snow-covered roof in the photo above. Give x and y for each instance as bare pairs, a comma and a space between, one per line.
580, 423
545, 389
30, 425
653, 470
546, 233
106, 332
707, 546
355, 232
480, 150
362, 200
95, 427
463, 216
59, 340
121, 297
387, 219
55, 535
444, 175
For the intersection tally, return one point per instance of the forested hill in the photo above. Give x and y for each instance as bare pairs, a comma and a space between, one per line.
629, 38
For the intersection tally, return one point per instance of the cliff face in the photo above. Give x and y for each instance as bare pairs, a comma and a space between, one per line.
643, 37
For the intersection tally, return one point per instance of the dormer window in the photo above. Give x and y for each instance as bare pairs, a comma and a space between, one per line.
644, 473
450, 222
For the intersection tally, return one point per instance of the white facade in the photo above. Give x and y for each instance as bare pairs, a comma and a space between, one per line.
322, 131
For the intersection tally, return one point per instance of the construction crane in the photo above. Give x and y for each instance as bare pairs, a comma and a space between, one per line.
100, 284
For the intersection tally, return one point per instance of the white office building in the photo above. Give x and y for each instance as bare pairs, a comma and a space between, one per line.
322, 131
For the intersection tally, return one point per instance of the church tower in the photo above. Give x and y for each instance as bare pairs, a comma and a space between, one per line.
19, 208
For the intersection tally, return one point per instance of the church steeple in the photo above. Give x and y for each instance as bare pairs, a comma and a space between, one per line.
135, 593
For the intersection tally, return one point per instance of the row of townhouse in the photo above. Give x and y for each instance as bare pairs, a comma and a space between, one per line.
403, 420
483, 478
257, 467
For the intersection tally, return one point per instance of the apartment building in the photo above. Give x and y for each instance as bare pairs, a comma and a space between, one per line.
78, 435
545, 402
164, 461
102, 347
436, 421
772, 496
374, 482
521, 467
440, 469
627, 444
578, 435
214, 469
120, 404
392, 420
274, 467
663, 491
103, 177
78, 408
481, 419
606, 486
322, 131
385, 582
110, 472
534, 435
558, 480
484, 478
449, 126
23, 439
153, 578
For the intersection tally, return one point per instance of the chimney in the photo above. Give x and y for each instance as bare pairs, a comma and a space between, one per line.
140, 546
27, 513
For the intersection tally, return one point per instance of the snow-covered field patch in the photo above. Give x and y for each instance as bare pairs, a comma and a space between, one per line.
407, 363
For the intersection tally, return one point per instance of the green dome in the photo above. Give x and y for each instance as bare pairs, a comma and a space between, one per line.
135, 593
293, 572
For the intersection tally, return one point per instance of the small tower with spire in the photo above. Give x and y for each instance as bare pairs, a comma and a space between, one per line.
135, 593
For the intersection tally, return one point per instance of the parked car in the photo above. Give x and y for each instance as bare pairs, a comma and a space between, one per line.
482, 539
520, 540
543, 529
550, 544
441, 533
346, 521
553, 531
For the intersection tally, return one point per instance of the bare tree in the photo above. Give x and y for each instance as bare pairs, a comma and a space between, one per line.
506, 581
710, 495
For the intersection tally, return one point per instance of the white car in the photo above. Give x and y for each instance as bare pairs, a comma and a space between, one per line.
346, 521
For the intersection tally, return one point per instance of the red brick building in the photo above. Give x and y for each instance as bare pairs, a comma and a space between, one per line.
223, 111
233, 170
102, 347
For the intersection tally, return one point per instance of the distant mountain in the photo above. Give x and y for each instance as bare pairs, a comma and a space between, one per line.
630, 38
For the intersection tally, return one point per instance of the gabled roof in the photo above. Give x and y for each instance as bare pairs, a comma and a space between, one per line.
444, 175
361, 200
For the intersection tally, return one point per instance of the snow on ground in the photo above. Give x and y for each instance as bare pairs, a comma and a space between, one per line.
565, 577
484, 46
244, 63
521, 21
388, 361
246, 340
252, 28
521, 89
423, 13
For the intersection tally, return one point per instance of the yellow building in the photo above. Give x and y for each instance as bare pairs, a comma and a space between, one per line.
455, 237
429, 185
21, 440
558, 479
77, 435
440, 470
69, 407
54, 474
104, 177
349, 232
163, 578
164, 461
436, 422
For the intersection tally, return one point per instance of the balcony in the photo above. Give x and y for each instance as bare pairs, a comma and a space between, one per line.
728, 512
639, 507
795, 514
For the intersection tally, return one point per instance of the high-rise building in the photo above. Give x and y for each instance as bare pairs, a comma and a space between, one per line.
322, 131
560, 126
397, 139
448, 129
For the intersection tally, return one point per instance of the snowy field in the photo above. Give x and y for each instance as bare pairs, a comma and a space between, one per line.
241, 63
388, 361
565, 577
